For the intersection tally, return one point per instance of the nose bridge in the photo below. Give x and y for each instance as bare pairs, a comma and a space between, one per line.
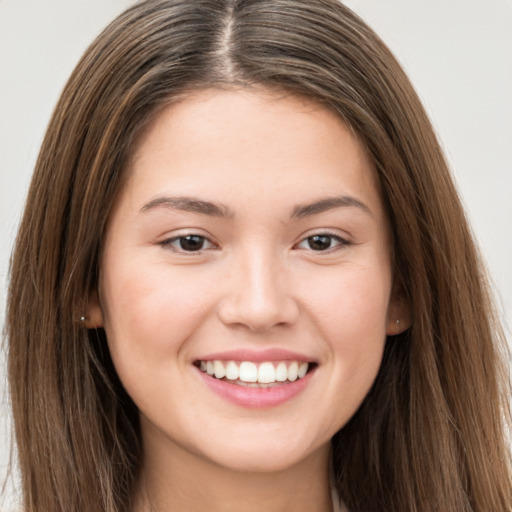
259, 295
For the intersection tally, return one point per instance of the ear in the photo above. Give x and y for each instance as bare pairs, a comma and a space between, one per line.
399, 315
94, 317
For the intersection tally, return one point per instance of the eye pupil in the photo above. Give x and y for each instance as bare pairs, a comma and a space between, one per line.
319, 242
191, 242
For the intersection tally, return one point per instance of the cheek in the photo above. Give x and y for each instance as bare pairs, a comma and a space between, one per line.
357, 325
150, 313
350, 312
352, 302
358, 351
150, 310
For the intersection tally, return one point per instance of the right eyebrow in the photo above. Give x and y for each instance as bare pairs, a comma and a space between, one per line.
188, 204
328, 203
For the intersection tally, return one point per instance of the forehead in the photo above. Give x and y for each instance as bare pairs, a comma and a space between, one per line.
258, 111
215, 140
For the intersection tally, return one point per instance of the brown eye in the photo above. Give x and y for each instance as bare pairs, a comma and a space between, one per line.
191, 242
322, 242
188, 243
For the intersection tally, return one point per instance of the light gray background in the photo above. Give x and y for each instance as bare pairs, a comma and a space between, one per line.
458, 54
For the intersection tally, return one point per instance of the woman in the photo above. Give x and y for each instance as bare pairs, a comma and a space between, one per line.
249, 280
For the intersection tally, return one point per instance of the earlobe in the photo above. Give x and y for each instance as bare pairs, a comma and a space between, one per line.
94, 317
399, 317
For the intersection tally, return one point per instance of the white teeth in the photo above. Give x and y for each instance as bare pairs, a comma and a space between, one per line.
249, 373
293, 370
266, 373
219, 369
303, 369
281, 372
232, 371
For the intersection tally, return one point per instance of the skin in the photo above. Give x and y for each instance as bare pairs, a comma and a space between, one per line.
258, 284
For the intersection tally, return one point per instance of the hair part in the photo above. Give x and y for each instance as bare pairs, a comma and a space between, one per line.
430, 435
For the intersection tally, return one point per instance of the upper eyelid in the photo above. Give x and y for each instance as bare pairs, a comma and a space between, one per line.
346, 237
169, 239
184, 232
342, 241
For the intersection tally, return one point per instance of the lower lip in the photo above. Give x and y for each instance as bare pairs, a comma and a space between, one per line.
256, 398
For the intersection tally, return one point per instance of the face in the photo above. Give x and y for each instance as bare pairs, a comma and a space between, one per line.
246, 285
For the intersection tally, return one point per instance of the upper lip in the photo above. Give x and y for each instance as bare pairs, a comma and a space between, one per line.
257, 356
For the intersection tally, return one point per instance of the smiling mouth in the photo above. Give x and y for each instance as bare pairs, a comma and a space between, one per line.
261, 375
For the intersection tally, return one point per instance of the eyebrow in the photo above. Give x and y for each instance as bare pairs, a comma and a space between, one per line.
329, 203
196, 205
188, 204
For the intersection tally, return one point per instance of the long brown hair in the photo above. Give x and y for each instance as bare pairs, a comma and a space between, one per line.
430, 435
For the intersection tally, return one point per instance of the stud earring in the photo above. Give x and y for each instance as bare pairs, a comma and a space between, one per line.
83, 318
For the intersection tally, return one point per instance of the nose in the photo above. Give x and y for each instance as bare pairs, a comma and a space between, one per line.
258, 295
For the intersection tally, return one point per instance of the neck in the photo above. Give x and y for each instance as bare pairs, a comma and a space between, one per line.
190, 483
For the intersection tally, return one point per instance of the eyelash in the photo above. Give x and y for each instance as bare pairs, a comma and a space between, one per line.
168, 243
341, 242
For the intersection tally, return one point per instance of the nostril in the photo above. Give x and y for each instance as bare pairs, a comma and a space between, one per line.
258, 315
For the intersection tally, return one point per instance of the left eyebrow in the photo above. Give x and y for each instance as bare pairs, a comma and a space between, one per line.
305, 210
188, 204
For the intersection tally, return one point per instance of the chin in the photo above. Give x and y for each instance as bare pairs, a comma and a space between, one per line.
265, 456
